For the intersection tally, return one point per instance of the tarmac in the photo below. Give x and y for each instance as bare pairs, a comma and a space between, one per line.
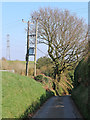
58, 107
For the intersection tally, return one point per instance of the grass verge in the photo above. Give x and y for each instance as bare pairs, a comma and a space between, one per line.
21, 95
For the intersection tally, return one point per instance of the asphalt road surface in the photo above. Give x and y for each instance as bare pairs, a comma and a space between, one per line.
58, 107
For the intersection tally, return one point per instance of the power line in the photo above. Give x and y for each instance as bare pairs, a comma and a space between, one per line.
42, 52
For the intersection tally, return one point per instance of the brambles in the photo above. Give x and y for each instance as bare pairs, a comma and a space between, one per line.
39, 78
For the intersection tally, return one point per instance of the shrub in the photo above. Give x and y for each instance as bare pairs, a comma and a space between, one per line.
45, 79
45, 65
81, 73
43, 61
80, 96
3, 58
39, 78
80, 90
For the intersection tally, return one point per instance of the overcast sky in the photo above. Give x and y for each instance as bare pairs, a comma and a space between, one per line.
14, 12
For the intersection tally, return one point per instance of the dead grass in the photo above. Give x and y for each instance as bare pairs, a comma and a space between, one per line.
18, 66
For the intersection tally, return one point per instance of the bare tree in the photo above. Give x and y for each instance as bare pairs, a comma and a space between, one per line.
65, 35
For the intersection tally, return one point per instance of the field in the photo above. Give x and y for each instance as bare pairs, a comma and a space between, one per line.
18, 93
18, 66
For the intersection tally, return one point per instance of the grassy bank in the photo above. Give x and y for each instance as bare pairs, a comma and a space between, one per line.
20, 95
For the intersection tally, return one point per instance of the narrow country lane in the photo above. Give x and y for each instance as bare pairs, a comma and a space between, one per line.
58, 107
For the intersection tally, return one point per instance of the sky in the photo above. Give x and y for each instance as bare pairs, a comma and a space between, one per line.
14, 12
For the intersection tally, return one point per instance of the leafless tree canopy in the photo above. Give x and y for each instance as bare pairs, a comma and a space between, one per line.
65, 35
